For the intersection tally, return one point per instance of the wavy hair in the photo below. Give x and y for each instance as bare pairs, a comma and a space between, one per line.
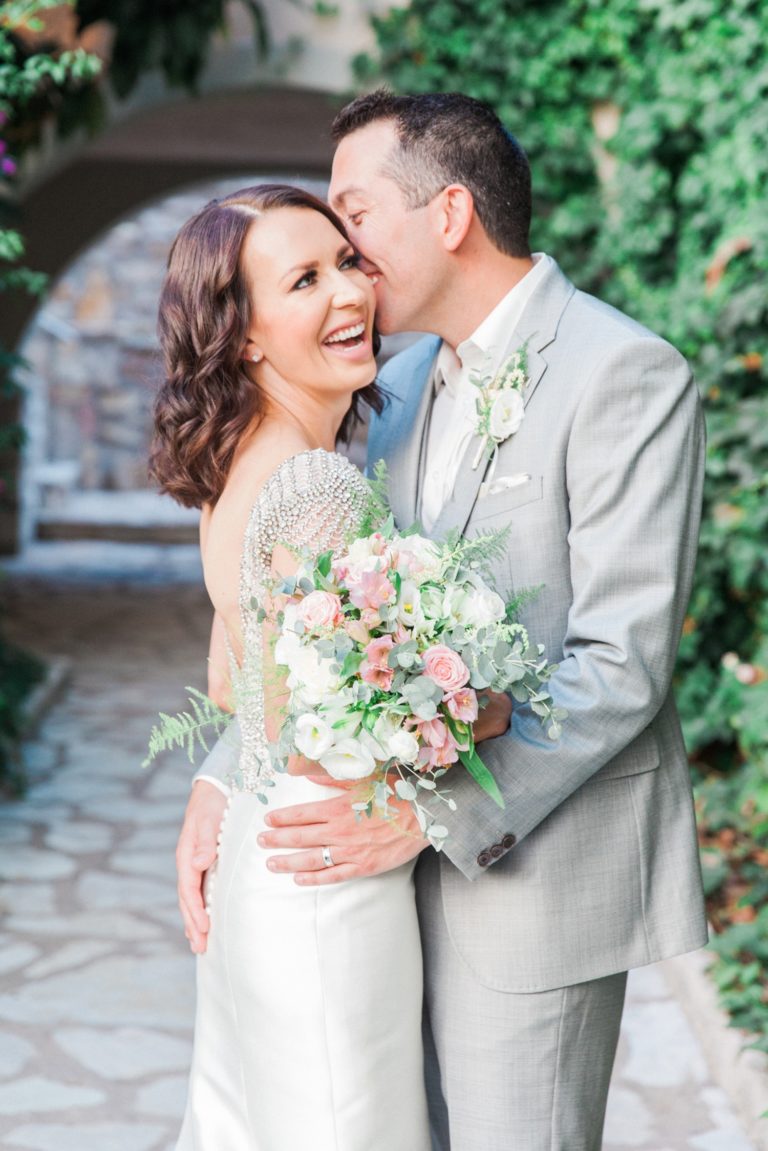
209, 398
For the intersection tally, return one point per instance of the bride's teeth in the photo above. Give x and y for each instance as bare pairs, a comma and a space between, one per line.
346, 334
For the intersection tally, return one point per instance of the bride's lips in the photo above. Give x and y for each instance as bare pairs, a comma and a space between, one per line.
350, 340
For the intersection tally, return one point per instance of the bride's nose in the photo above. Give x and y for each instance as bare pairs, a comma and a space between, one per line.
346, 292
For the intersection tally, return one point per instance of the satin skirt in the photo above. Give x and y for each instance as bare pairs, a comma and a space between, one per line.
309, 1002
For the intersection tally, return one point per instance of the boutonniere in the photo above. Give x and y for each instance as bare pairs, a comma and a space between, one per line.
499, 403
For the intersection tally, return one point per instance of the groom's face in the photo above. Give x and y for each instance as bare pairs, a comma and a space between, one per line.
398, 243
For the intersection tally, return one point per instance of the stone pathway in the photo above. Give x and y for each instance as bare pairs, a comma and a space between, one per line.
96, 982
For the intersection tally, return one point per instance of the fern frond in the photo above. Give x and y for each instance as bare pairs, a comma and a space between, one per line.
185, 729
378, 509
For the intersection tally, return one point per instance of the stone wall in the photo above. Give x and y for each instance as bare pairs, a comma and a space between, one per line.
94, 362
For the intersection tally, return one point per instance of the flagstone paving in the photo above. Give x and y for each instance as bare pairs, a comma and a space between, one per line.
96, 982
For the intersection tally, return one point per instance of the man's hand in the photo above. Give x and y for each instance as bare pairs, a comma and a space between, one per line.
195, 853
493, 720
359, 845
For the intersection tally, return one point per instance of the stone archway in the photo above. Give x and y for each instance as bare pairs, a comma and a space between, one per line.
153, 153
93, 372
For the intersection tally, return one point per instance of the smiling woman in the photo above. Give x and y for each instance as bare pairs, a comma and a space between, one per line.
267, 328
232, 286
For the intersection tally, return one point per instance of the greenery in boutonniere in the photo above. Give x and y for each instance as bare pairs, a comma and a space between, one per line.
499, 403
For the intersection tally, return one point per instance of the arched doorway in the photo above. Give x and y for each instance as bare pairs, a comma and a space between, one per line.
259, 131
93, 373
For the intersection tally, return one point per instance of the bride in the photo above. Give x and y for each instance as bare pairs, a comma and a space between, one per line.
307, 1031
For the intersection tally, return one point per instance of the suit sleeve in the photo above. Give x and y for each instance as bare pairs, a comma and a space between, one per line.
634, 474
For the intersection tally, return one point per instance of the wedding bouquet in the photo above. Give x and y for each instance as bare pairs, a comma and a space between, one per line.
386, 649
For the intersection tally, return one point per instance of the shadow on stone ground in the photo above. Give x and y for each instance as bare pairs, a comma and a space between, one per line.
96, 982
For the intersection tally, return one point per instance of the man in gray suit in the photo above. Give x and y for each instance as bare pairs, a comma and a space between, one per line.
532, 915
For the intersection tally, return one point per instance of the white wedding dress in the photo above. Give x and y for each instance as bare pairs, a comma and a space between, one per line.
308, 1025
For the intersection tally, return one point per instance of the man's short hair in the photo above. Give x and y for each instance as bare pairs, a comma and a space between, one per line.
452, 139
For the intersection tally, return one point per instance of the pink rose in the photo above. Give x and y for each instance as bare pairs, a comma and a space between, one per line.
372, 590
443, 665
374, 668
319, 610
462, 705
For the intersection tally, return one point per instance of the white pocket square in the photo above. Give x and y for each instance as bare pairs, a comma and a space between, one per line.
504, 484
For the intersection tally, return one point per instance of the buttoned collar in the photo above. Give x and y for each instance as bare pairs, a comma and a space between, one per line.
483, 350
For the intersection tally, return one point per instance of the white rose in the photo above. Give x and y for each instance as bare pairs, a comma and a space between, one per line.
473, 606
506, 414
311, 676
403, 746
421, 555
485, 607
348, 760
313, 737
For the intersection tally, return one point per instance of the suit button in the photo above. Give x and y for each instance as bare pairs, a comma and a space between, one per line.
484, 858
497, 851
508, 841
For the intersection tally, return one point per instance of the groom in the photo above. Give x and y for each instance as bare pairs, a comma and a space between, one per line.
532, 915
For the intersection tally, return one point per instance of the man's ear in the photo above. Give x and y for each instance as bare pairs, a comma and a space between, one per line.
455, 212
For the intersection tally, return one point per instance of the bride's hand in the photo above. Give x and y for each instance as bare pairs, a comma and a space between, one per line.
493, 720
195, 853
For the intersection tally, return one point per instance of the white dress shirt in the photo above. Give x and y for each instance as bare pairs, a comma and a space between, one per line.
452, 422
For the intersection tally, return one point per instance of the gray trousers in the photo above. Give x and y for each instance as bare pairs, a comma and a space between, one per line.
512, 1072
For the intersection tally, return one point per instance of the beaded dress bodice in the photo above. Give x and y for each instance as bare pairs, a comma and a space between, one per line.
314, 500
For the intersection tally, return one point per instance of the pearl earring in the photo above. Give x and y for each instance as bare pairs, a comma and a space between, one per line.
256, 357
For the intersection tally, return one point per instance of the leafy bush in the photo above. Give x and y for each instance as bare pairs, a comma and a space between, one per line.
19, 673
645, 125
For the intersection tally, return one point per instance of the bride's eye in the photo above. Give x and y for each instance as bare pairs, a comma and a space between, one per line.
350, 261
305, 280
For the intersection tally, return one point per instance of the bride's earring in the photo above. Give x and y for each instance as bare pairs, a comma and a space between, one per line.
257, 356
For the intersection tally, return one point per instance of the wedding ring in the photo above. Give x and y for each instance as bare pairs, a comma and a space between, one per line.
327, 857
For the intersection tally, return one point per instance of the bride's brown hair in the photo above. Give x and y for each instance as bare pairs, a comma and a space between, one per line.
209, 397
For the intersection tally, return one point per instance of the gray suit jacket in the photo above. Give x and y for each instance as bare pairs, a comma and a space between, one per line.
592, 867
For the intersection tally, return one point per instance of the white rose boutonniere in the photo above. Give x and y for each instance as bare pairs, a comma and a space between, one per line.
499, 404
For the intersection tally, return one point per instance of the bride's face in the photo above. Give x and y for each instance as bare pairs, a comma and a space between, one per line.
312, 306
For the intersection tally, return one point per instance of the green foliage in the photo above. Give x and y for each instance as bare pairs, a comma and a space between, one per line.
645, 125
164, 34
19, 673
186, 729
740, 976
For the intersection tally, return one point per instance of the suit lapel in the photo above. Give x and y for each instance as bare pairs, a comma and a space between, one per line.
537, 329
411, 404
457, 510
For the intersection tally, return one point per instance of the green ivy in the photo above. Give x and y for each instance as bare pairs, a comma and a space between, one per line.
667, 220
